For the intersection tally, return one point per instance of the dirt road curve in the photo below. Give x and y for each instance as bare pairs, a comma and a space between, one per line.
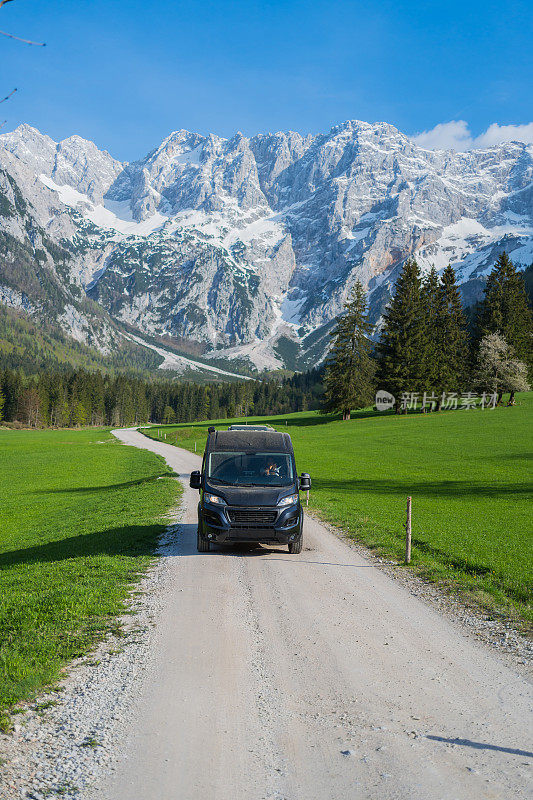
314, 677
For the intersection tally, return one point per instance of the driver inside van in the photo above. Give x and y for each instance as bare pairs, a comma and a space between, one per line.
272, 468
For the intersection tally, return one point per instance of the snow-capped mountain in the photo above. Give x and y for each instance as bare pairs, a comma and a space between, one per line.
249, 246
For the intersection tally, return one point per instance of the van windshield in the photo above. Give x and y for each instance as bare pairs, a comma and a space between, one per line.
250, 469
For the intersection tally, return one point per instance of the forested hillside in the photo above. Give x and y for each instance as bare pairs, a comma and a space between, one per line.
31, 345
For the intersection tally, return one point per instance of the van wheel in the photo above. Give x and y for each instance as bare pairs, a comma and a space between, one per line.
202, 545
296, 546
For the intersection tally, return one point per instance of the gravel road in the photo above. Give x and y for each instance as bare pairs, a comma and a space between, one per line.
312, 677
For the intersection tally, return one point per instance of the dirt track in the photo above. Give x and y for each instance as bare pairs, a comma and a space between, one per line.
314, 677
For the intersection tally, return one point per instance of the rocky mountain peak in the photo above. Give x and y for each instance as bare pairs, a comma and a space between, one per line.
248, 242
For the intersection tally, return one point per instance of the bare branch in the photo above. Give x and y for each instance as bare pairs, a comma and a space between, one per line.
24, 41
8, 96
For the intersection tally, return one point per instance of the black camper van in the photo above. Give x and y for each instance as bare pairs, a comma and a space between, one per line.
249, 490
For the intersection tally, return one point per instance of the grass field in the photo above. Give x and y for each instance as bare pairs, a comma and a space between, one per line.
79, 518
468, 472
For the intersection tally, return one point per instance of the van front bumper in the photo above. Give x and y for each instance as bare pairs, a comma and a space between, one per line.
263, 525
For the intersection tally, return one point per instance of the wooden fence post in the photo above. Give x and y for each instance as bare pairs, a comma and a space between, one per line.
408, 533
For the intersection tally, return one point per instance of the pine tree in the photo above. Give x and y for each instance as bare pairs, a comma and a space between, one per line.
350, 369
78, 414
204, 402
12, 387
59, 408
401, 350
2, 401
29, 408
452, 335
431, 365
214, 406
505, 309
96, 397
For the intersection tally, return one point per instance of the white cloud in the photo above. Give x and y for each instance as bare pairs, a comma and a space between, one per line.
456, 135
495, 134
445, 136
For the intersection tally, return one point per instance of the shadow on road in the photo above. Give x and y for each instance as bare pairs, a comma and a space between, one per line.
482, 746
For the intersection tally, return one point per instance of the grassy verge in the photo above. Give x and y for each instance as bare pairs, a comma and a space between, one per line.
79, 519
467, 472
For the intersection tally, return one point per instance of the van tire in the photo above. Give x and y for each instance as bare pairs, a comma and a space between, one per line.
202, 545
296, 546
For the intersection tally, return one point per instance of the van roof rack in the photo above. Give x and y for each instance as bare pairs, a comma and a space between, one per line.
246, 427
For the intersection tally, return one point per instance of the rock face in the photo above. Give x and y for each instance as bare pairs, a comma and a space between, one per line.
250, 245
35, 274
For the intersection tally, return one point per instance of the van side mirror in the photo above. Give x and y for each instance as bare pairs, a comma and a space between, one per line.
305, 481
196, 479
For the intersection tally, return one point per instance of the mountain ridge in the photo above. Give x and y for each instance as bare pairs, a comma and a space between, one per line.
249, 245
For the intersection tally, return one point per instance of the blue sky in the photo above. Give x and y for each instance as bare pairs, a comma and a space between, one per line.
125, 74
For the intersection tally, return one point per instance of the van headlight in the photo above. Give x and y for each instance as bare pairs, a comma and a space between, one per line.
290, 500
214, 498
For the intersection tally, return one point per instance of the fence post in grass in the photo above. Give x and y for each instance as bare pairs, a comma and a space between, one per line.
195, 446
307, 498
408, 533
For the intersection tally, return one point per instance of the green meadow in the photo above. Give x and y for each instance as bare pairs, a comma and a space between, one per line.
469, 475
81, 513
79, 518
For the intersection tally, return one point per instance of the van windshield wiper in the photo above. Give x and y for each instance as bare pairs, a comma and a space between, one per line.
219, 480
265, 485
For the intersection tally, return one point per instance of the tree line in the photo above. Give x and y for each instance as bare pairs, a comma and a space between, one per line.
425, 348
79, 398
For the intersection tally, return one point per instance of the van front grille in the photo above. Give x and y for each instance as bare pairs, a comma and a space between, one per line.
251, 518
